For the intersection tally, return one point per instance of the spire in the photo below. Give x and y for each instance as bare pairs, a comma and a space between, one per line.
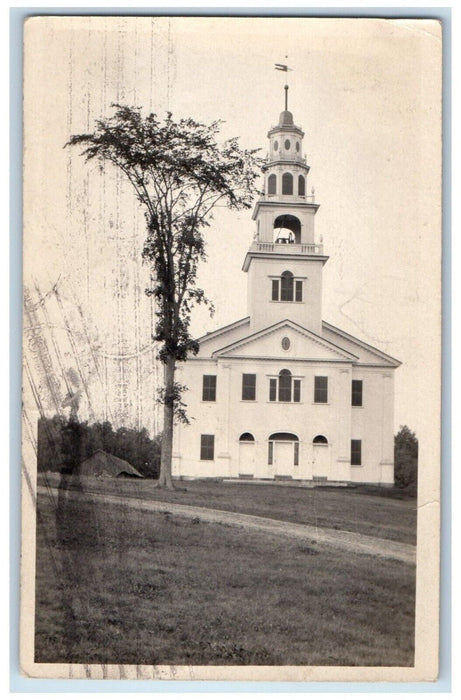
286, 117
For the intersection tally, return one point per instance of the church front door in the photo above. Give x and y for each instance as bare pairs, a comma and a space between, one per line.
284, 458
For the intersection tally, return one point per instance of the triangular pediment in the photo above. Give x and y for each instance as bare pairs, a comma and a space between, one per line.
286, 339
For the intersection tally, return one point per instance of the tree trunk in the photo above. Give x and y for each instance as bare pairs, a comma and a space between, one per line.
165, 480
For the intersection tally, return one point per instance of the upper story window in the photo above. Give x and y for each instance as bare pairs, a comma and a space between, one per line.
209, 387
272, 184
287, 144
276, 145
301, 186
297, 146
287, 288
287, 183
285, 388
357, 392
321, 390
248, 387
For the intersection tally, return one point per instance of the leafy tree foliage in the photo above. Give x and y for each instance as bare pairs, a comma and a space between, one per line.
179, 173
406, 459
64, 443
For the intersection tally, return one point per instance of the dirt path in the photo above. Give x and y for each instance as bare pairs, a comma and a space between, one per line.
350, 541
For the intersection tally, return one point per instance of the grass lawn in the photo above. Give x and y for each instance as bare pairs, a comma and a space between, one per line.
387, 513
119, 586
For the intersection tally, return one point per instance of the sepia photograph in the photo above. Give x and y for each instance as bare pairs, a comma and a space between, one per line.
231, 348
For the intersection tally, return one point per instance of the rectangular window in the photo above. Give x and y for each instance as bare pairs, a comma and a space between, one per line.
296, 455
209, 387
270, 457
321, 390
275, 290
272, 389
207, 447
248, 387
357, 387
356, 452
299, 290
296, 390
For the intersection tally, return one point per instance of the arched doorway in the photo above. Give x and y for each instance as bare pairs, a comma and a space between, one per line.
283, 453
246, 454
321, 457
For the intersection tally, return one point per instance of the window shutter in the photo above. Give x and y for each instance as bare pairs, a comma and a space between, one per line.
357, 392
321, 390
248, 387
272, 389
270, 457
275, 290
207, 447
209, 387
356, 452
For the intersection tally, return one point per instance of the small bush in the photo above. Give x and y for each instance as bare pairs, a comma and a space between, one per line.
406, 459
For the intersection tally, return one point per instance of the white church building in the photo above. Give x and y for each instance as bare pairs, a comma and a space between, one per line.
282, 394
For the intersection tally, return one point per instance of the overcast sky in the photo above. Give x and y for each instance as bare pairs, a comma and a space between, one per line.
367, 95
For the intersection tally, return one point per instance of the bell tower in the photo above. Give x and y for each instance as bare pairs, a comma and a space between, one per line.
284, 262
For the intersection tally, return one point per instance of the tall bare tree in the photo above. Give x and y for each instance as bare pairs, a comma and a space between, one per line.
179, 173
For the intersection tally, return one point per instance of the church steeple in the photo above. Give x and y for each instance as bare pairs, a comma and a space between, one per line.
285, 236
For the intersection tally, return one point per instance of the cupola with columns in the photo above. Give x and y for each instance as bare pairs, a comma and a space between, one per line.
284, 262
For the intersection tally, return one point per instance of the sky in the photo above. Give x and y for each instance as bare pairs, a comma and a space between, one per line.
367, 95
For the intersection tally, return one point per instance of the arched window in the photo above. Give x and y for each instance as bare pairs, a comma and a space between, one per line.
320, 440
301, 186
287, 183
246, 437
286, 286
285, 385
272, 184
285, 388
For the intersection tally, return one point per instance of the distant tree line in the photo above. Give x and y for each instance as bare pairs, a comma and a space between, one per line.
406, 459
64, 443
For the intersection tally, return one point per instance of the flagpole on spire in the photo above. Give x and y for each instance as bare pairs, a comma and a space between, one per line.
286, 98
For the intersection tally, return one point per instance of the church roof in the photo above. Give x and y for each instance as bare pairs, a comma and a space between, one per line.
368, 353
337, 344
213, 334
286, 119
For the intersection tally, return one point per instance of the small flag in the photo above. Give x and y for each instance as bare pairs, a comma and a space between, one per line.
280, 66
